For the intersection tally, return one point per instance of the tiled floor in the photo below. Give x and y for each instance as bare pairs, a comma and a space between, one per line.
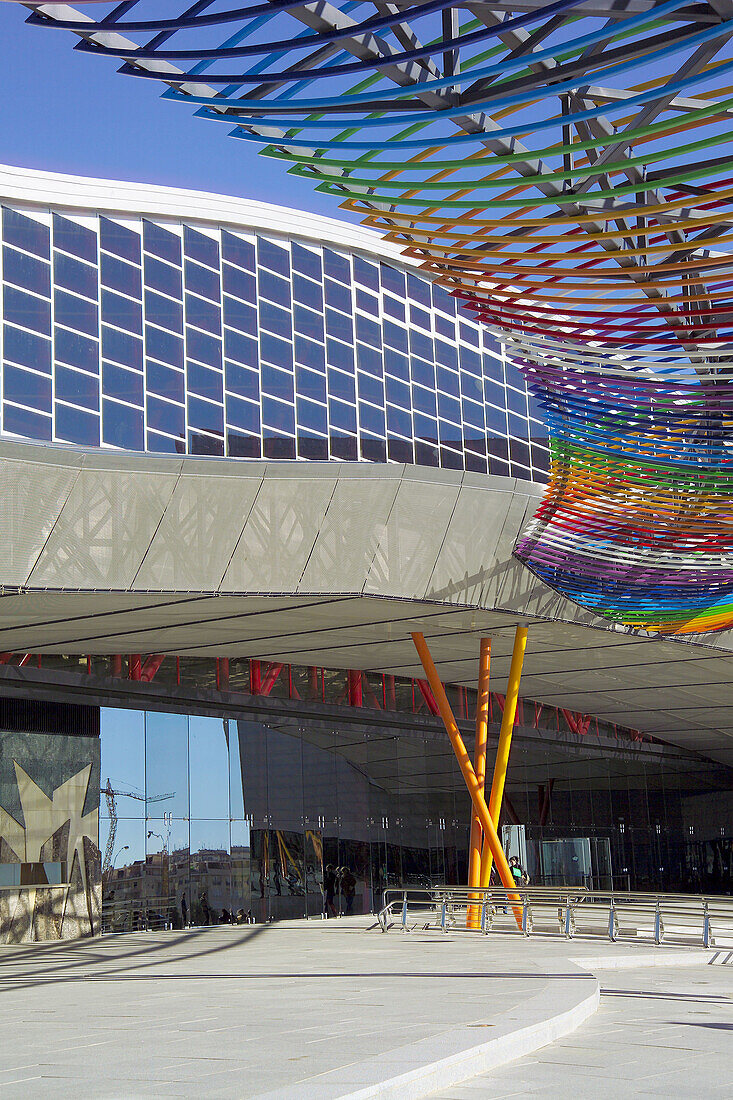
659, 1032
235, 1012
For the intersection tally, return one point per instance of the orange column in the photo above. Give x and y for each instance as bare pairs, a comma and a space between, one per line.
505, 742
469, 775
479, 763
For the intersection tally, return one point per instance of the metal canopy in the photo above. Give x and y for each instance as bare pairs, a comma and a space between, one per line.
331, 564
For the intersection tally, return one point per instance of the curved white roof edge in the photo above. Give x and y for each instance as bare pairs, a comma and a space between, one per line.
28, 187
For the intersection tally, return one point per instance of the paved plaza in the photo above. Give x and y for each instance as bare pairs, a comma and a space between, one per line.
304, 1010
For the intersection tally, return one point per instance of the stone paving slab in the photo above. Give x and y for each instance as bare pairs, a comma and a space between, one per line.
295, 1009
660, 1031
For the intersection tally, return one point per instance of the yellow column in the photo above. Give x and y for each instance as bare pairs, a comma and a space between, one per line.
505, 743
479, 763
469, 775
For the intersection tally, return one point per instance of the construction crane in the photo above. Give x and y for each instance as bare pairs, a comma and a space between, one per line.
111, 795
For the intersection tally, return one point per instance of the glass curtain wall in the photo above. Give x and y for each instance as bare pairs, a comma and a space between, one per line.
237, 819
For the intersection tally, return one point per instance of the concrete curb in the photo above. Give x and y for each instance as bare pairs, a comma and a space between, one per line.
415, 1071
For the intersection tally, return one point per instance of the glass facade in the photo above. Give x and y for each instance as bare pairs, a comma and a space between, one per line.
243, 815
208, 340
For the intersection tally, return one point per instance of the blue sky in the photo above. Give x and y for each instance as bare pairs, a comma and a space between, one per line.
68, 112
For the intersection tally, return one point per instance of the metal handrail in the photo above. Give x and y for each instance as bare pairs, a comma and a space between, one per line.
460, 908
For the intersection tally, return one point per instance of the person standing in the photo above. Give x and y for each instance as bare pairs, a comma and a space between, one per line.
348, 889
329, 891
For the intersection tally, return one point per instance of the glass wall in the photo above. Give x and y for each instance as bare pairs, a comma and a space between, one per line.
173, 338
242, 818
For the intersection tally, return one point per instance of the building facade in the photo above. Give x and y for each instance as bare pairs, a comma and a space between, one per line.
213, 635
192, 324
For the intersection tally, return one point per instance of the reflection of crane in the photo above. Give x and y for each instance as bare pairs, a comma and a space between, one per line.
111, 795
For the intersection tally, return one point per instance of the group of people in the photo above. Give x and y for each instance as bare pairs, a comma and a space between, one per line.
206, 915
338, 881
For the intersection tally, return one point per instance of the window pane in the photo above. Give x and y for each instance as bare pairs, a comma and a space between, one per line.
122, 426
25, 423
165, 382
277, 383
240, 316
27, 348
26, 388
160, 344
126, 385
237, 251
26, 310
393, 280
201, 280
365, 273
205, 348
273, 256
166, 763
163, 312
306, 261
76, 313
200, 247
121, 276
75, 426
78, 388
241, 348
243, 382
119, 239
26, 271
163, 417
278, 415
26, 233
74, 238
74, 275
122, 347
163, 277
205, 382
161, 242
243, 414
204, 415
239, 283
122, 312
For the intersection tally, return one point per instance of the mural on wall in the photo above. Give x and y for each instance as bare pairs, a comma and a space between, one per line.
50, 869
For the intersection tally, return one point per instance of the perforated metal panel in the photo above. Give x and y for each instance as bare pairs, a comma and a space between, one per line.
351, 531
197, 535
279, 534
104, 529
32, 495
467, 557
413, 536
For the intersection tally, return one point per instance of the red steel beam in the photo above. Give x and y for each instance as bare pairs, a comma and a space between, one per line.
428, 696
356, 695
149, 669
271, 675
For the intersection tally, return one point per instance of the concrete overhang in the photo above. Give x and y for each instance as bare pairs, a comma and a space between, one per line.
331, 564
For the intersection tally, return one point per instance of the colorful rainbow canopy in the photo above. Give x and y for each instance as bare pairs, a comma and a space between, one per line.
565, 169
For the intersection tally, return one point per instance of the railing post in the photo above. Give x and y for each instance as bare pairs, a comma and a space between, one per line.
707, 932
612, 923
658, 925
404, 911
483, 914
568, 919
525, 913
442, 916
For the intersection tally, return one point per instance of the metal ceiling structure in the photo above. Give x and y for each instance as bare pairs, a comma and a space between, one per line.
330, 564
564, 168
